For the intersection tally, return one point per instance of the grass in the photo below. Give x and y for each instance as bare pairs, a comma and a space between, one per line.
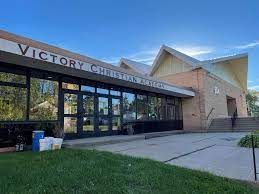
82, 171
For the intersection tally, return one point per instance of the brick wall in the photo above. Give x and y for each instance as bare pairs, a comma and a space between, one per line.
196, 109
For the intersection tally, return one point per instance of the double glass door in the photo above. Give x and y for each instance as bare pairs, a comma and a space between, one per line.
88, 114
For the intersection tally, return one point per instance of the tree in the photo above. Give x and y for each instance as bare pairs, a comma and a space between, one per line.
252, 103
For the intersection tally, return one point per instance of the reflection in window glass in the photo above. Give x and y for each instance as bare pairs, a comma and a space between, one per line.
70, 103
70, 86
161, 108
152, 108
44, 99
170, 112
88, 124
12, 103
115, 93
103, 124
88, 104
116, 123
102, 91
115, 106
88, 89
142, 107
13, 78
70, 124
129, 107
103, 106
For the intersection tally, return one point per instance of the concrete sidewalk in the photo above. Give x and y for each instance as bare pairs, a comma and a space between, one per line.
216, 153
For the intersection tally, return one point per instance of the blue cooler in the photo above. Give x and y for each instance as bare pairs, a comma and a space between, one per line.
36, 136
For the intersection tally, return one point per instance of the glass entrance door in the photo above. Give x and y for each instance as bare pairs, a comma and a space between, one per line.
109, 114
91, 114
70, 112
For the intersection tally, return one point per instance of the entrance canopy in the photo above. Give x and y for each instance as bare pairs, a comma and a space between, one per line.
28, 53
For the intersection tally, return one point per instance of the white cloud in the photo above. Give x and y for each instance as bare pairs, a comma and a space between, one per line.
256, 87
249, 45
148, 56
250, 81
194, 51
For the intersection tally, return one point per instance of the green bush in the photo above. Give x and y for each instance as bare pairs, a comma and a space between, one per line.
247, 141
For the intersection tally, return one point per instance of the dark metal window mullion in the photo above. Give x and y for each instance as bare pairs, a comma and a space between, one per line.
28, 99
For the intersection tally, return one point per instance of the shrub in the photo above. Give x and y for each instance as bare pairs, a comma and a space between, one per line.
247, 141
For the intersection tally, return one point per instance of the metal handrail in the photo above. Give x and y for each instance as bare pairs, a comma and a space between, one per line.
234, 118
210, 120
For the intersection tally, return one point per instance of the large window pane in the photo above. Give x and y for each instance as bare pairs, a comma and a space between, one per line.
13, 78
170, 112
44, 99
152, 108
70, 103
88, 124
12, 103
103, 106
88, 104
70, 125
103, 124
116, 123
142, 107
129, 107
161, 103
115, 106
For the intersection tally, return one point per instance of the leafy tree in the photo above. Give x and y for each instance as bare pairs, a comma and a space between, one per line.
252, 103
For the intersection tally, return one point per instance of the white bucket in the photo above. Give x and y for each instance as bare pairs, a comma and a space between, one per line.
43, 144
50, 142
57, 143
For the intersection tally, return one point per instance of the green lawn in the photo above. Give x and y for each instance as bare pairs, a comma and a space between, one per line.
76, 171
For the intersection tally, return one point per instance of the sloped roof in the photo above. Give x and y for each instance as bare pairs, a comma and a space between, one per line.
190, 60
136, 66
236, 64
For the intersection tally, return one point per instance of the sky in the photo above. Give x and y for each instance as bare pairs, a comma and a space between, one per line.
110, 29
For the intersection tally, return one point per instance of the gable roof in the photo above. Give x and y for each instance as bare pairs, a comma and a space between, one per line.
165, 49
136, 66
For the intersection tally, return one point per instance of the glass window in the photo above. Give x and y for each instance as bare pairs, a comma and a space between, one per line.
13, 78
103, 106
44, 99
88, 89
115, 93
70, 124
129, 107
170, 100
170, 112
116, 123
176, 101
103, 124
142, 107
152, 108
70, 86
12, 103
115, 106
161, 104
102, 91
88, 124
70, 103
88, 104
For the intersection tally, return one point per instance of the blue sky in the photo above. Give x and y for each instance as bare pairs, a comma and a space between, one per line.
110, 29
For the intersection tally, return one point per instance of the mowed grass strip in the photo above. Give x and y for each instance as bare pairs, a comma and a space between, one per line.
85, 171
